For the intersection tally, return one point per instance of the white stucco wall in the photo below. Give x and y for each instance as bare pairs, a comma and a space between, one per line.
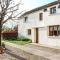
46, 40
52, 19
34, 22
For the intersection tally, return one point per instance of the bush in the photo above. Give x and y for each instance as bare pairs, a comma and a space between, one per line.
19, 39
23, 39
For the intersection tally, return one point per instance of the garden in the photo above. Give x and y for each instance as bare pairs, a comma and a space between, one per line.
19, 41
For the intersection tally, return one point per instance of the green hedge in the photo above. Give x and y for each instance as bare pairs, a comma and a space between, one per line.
19, 39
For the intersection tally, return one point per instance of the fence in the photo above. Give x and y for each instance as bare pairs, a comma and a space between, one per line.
9, 35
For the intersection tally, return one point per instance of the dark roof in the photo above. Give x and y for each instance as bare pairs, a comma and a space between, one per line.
39, 8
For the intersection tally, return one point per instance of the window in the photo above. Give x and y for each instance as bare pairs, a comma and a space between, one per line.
26, 19
54, 30
41, 16
52, 10
59, 6
45, 10
29, 31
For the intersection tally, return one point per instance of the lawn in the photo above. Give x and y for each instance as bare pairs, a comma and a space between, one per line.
19, 42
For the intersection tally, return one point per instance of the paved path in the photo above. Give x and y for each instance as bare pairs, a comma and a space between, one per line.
10, 56
50, 53
6, 56
11, 53
34, 51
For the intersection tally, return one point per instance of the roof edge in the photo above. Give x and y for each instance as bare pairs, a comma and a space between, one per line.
39, 8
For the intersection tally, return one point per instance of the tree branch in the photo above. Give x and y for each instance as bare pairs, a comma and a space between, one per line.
14, 6
12, 11
7, 18
18, 13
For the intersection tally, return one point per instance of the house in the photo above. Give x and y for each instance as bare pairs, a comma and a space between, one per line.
42, 24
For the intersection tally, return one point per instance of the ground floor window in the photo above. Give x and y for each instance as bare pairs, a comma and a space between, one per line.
54, 30
29, 31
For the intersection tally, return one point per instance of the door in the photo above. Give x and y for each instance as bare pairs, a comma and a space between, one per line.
36, 35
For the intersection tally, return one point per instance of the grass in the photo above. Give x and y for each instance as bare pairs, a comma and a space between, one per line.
19, 42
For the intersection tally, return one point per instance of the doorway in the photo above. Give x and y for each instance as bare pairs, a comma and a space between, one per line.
36, 35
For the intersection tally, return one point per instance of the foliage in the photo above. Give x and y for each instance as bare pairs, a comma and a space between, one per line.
20, 41
23, 39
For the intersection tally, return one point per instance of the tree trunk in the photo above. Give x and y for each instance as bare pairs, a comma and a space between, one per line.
0, 31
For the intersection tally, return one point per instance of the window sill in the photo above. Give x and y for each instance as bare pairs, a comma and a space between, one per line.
54, 36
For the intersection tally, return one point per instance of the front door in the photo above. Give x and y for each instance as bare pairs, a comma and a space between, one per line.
36, 35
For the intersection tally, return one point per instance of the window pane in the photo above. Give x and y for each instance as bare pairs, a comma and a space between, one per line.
50, 33
51, 28
54, 10
59, 30
55, 33
50, 10
55, 28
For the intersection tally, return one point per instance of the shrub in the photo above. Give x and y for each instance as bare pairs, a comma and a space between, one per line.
24, 39
19, 39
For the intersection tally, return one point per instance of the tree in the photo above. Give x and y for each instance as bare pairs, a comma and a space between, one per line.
7, 12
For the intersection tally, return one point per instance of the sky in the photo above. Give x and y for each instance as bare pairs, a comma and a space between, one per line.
28, 5
31, 4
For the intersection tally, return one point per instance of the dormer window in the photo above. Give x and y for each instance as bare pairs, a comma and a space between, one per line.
45, 10
53, 10
26, 19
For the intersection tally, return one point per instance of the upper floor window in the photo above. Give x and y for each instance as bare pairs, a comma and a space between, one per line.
52, 10
54, 30
25, 19
41, 16
29, 31
59, 6
45, 10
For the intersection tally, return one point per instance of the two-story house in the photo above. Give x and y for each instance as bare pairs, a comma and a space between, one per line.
42, 24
